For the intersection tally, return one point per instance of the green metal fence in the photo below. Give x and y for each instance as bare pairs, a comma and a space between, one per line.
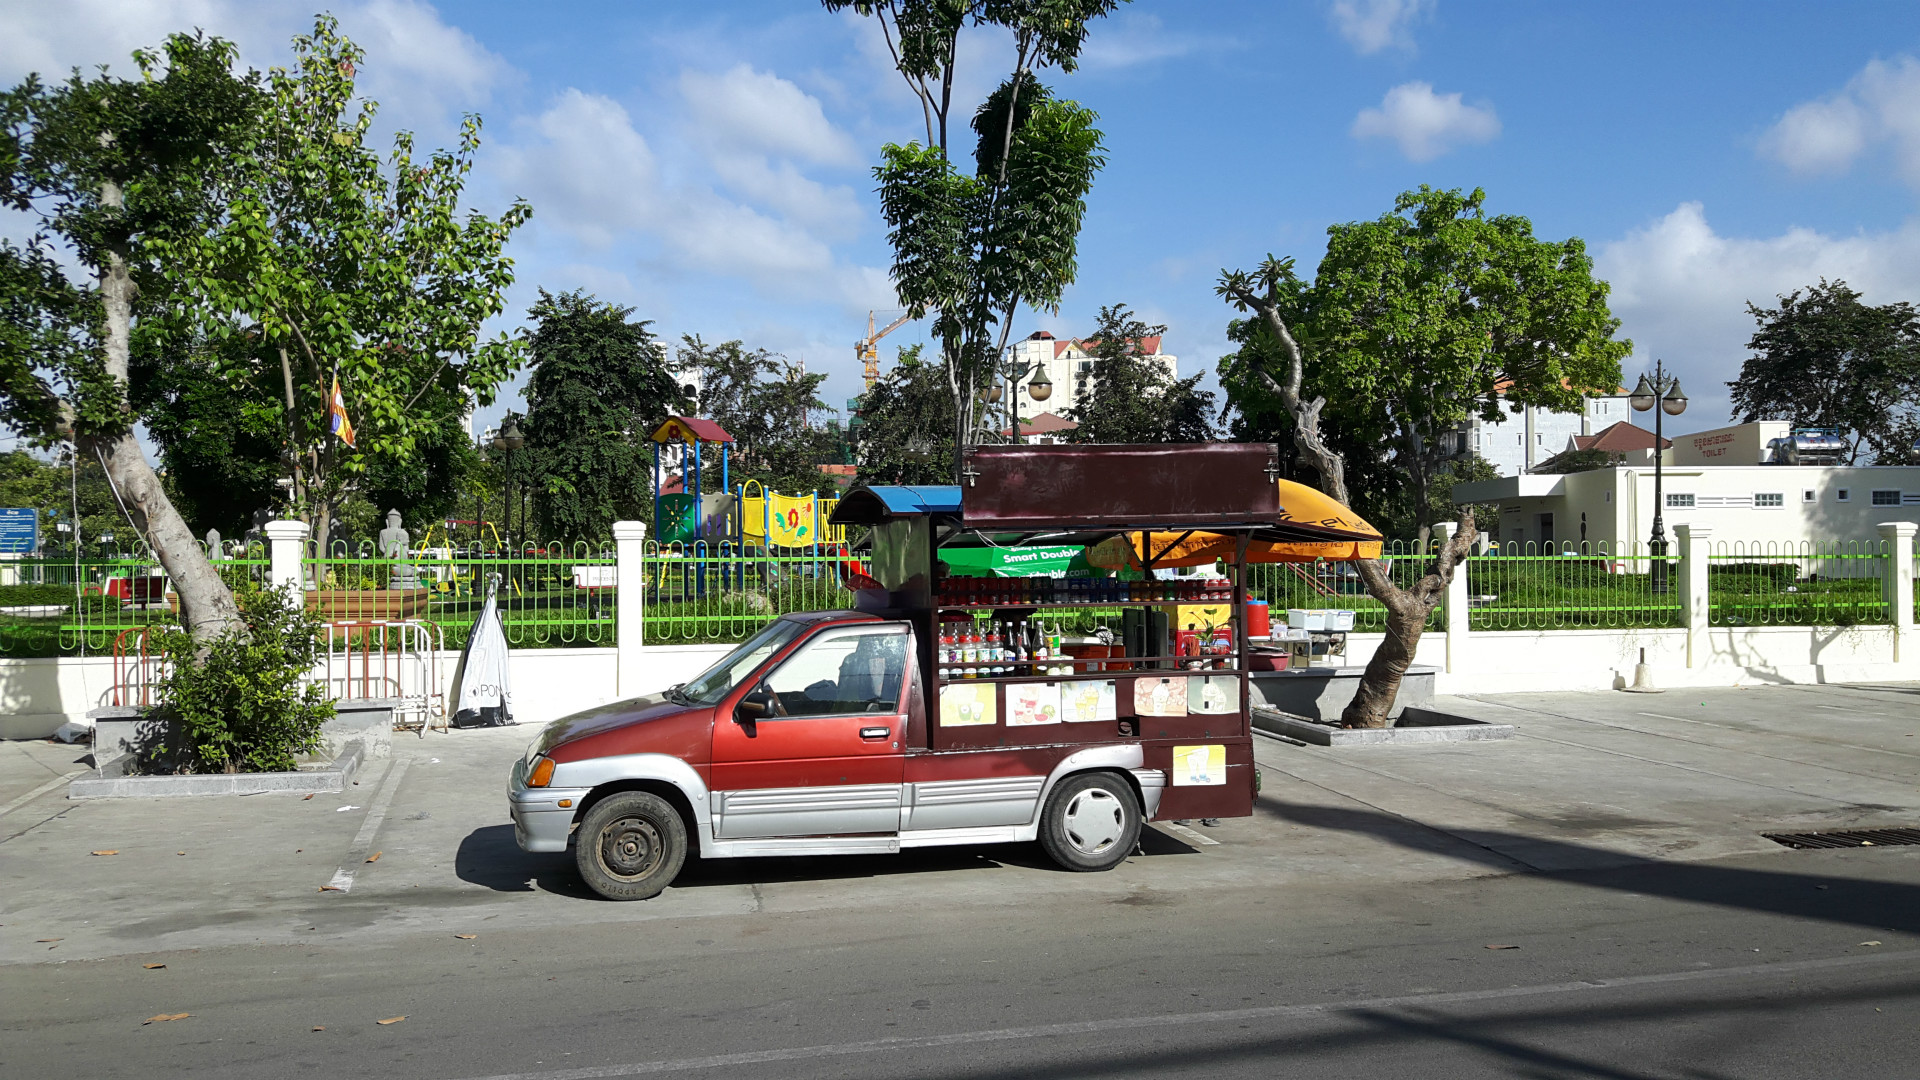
558, 595
1336, 585
63, 606
1797, 583
1571, 586
723, 592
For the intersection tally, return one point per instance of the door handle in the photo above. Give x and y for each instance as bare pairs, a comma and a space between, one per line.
875, 732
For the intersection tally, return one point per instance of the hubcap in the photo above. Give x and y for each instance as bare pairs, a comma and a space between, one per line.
630, 847
1094, 820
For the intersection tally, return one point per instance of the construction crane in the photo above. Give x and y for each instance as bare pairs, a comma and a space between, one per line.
864, 351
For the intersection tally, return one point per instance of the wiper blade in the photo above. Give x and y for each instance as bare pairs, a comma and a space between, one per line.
678, 696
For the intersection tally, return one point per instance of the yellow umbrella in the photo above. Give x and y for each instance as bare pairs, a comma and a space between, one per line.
1299, 505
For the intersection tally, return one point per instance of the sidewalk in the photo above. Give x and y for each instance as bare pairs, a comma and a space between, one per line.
1591, 780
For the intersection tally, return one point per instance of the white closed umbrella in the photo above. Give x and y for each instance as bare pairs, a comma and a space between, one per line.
482, 690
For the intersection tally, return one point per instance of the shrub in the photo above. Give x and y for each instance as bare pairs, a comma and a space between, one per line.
242, 708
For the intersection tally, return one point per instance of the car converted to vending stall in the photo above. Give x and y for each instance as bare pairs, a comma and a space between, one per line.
947, 708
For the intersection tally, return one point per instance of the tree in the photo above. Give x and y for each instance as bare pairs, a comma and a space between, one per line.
1824, 359
897, 434
600, 386
974, 248
117, 171
55, 490
222, 450
349, 271
1133, 399
765, 402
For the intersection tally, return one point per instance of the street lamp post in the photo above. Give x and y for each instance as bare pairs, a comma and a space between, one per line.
507, 441
1665, 391
1039, 388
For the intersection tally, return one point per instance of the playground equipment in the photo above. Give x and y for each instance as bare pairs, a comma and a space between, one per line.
686, 516
769, 519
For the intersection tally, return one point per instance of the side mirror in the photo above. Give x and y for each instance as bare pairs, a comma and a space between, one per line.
756, 705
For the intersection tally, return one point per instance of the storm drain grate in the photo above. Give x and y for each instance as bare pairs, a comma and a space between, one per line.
1846, 838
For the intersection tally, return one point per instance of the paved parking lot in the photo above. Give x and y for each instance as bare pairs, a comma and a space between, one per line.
1591, 781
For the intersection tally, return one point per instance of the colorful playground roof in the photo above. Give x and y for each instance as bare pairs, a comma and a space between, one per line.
688, 429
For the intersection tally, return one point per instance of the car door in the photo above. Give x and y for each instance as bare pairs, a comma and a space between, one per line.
825, 758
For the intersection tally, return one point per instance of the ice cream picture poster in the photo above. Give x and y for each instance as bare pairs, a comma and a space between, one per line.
1200, 766
1033, 703
1213, 695
1160, 697
962, 705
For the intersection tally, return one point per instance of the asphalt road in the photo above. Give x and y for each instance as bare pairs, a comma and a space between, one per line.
1748, 967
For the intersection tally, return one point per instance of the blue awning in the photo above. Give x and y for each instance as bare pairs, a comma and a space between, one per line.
884, 502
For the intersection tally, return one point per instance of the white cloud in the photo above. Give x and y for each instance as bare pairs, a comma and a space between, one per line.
1133, 39
1426, 124
1880, 105
421, 69
1372, 25
1680, 290
590, 174
762, 113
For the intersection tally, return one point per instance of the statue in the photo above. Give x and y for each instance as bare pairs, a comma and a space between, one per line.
393, 545
214, 550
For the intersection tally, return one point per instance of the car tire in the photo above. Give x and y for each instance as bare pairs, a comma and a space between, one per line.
630, 846
1091, 822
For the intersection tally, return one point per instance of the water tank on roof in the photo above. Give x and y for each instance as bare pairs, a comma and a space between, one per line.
1808, 446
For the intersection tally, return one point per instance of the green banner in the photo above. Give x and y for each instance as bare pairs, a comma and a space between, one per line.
1063, 561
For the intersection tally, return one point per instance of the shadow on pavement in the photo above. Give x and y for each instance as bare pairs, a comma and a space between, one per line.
1799, 893
489, 856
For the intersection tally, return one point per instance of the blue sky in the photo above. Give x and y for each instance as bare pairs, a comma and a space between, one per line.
708, 162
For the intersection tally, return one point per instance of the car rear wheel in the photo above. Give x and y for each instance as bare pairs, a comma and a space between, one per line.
1091, 822
630, 846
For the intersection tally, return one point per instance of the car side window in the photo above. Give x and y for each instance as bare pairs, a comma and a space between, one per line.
858, 670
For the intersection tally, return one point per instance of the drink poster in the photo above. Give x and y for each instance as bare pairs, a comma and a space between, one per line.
1199, 766
1160, 696
1033, 703
968, 705
1212, 695
1088, 702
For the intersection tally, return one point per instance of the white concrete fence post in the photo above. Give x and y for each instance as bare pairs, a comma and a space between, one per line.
1897, 583
630, 583
1695, 604
287, 554
1457, 607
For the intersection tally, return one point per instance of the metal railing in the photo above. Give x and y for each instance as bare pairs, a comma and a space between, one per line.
396, 661
1797, 583
57, 605
1337, 585
551, 595
1570, 586
723, 592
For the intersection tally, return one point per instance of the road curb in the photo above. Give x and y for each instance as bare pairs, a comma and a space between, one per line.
332, 778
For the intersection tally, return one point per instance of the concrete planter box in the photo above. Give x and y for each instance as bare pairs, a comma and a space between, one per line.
1412, 726
125, 738
333, 777
1321, 693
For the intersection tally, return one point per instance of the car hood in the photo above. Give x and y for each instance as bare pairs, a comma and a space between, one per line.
619, 714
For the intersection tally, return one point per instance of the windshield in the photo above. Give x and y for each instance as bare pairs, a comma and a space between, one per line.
714, 683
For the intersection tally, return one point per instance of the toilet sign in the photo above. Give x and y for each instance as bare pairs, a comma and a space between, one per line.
19, 530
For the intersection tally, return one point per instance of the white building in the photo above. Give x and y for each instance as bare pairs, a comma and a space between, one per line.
1520, 441
1069, 366
1744, 504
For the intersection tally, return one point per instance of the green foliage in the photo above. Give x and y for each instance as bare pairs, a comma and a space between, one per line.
242, 707
600, 386
348, 268
900, 434
1436, 312
764, 401
1133, 398
49, 487
1824, 359
218, 423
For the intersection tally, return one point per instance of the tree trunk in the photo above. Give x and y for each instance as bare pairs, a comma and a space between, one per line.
1407, 611
206, 604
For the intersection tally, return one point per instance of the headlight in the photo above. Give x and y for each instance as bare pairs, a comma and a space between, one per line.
541, 773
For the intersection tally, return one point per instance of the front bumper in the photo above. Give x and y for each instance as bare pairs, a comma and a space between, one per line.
540, 823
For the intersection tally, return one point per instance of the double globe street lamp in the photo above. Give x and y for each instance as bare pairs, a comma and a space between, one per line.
1039, 388
1664, 389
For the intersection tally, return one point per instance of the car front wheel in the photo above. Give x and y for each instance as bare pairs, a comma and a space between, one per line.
1091, 822
630, 846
